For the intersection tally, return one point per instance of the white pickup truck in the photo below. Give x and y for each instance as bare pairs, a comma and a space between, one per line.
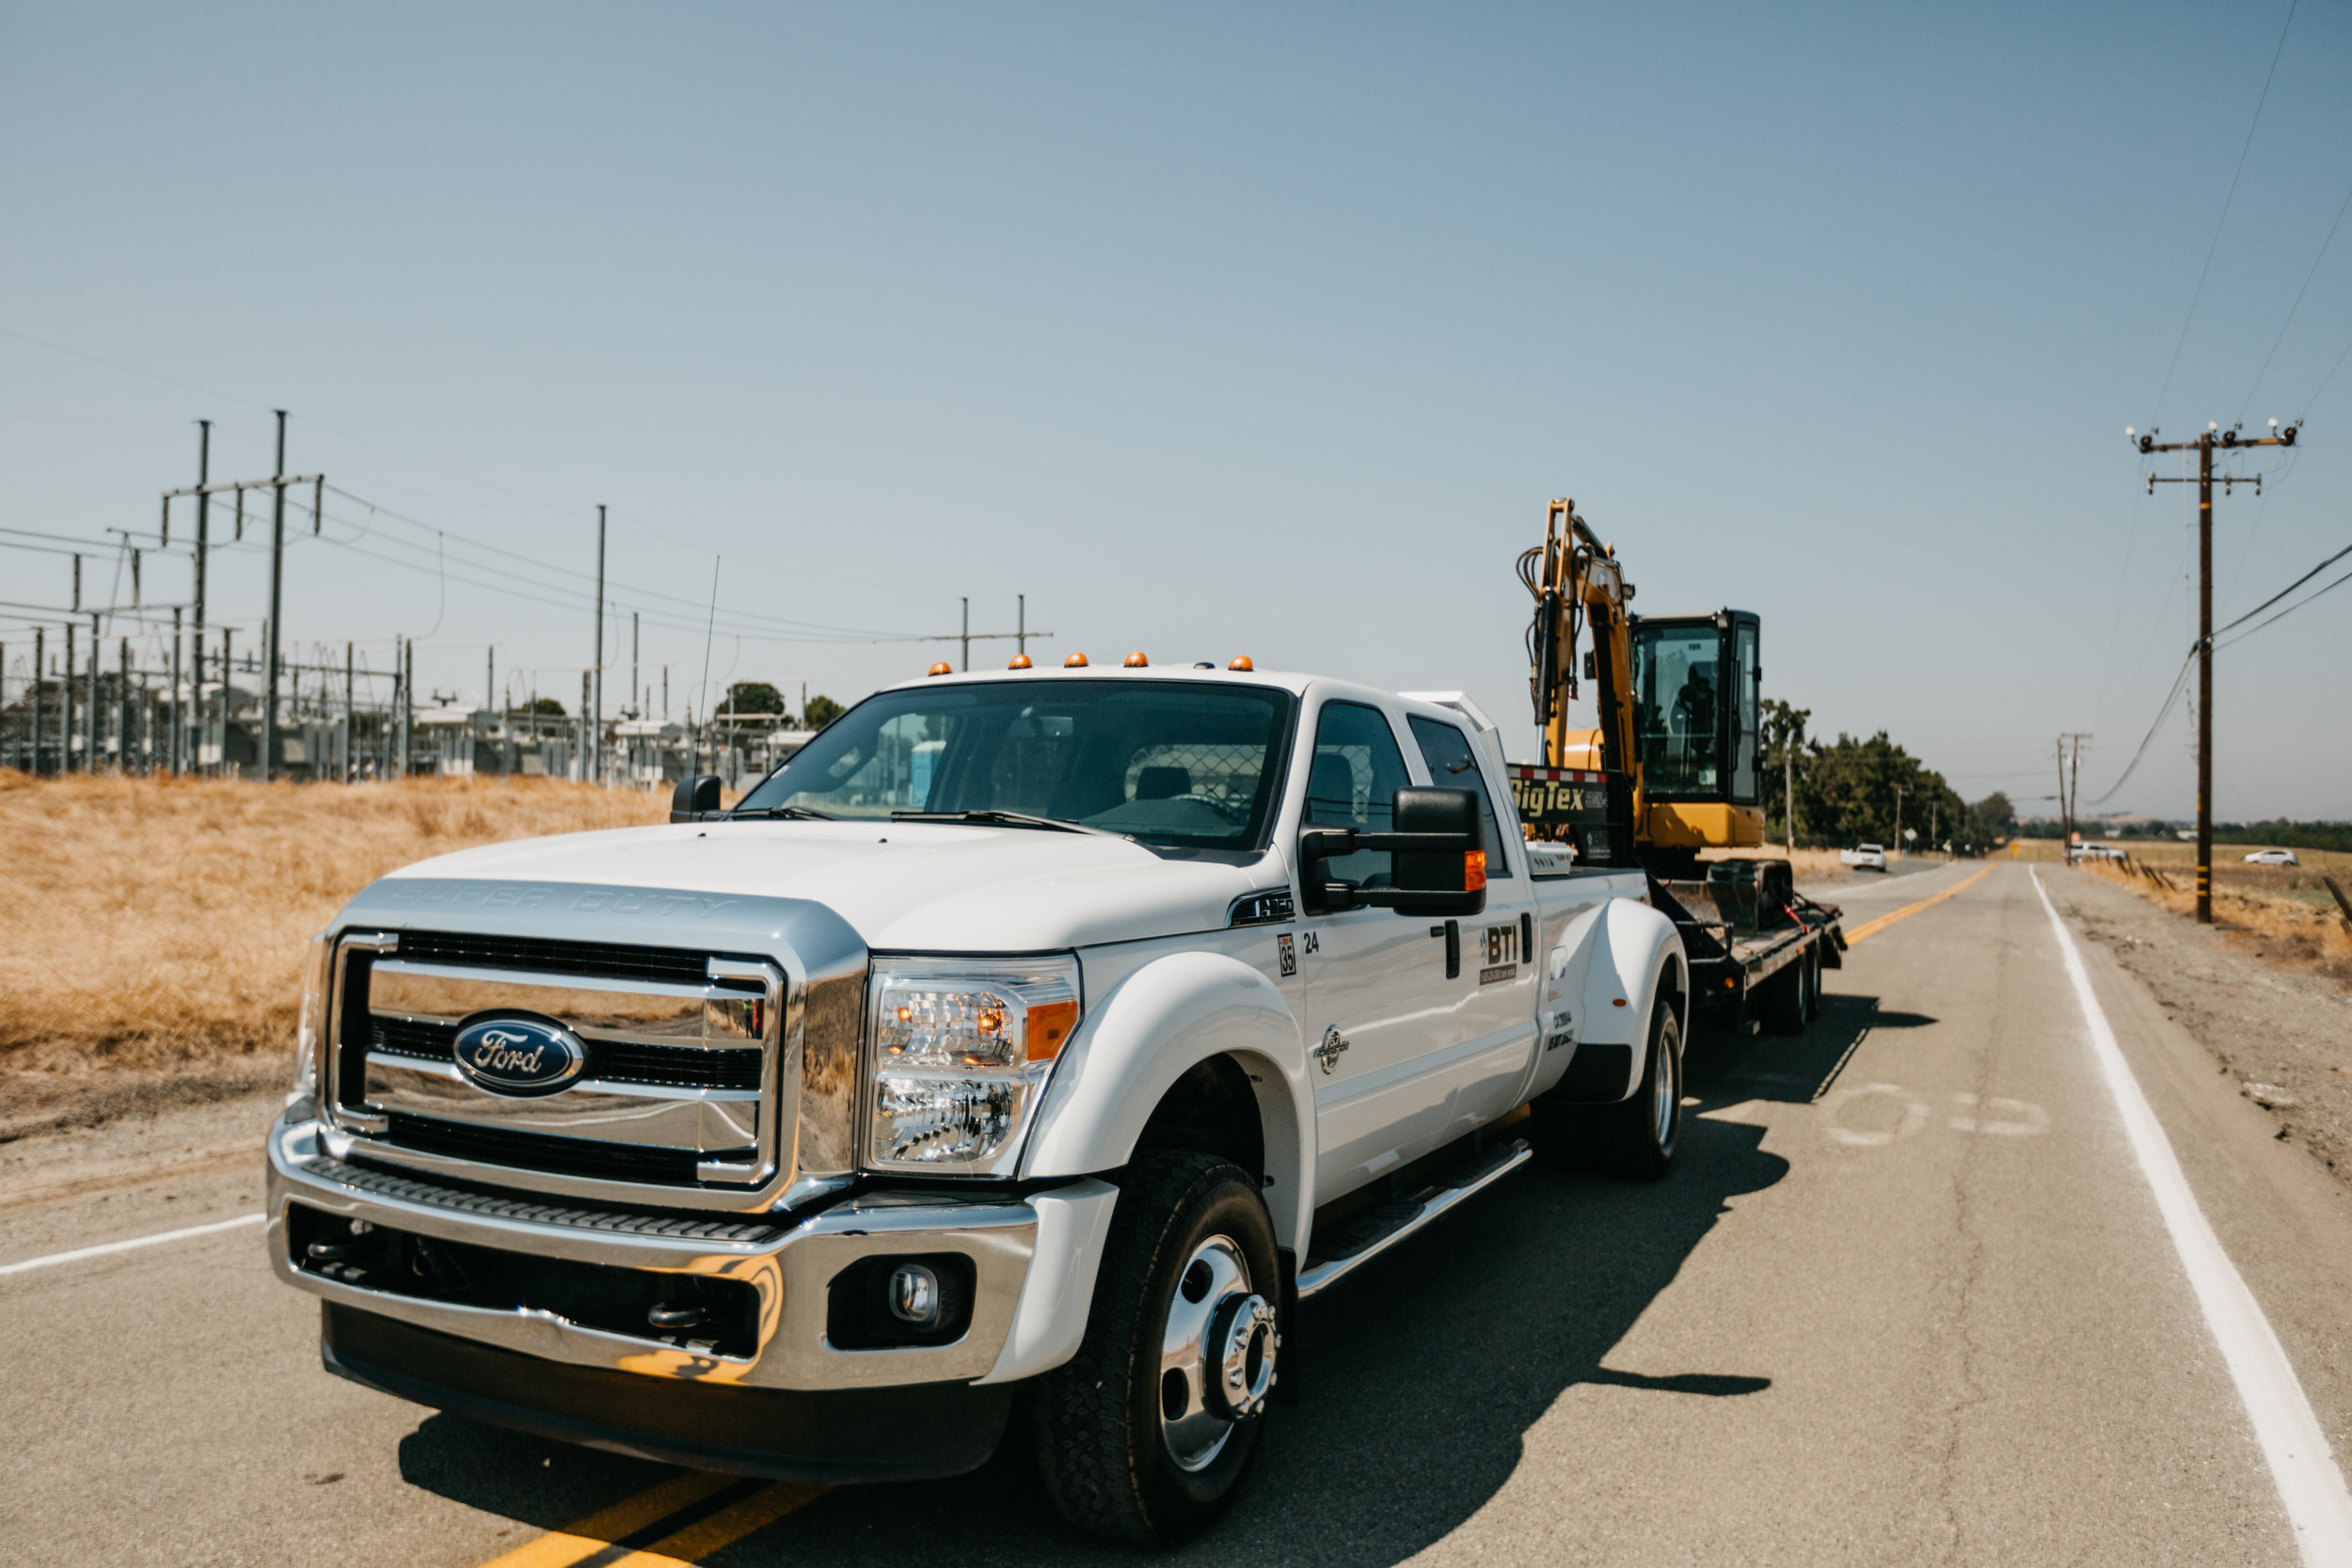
1041, 1031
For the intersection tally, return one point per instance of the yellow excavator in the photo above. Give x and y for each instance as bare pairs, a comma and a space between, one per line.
1675, 767
1679, 698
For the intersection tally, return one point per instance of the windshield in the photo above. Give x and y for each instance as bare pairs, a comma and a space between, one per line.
1167, 762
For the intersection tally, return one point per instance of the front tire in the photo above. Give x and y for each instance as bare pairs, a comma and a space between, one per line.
1145, 1435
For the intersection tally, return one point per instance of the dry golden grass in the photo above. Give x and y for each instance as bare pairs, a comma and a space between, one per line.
2262, 920
2174, 852
156, 928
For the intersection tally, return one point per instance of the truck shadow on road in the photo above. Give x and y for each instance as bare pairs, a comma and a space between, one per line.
1421, 1376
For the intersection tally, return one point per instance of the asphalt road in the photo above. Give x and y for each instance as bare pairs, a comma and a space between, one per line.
1908, 1297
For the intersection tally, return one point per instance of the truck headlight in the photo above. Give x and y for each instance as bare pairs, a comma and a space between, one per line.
962, 1051
312, 1022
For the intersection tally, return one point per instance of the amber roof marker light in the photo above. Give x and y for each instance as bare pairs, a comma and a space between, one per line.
943, 668
1075, 661
1241, 661
1137, 661
1018, 661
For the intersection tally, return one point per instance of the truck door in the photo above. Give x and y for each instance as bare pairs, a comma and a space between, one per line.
1373, 1003
1490, 1028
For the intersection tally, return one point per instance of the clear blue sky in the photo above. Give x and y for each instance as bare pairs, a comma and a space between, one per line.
1255, 329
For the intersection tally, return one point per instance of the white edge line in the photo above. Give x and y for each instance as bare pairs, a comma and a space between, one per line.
2292, 1441
80, 1253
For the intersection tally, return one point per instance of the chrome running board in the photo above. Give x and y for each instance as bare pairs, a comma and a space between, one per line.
1396, 1221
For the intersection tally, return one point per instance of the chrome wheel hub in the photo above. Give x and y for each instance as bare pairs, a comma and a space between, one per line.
1216, 1353
1666, 1092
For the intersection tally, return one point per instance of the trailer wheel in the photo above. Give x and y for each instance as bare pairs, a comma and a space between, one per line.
1638, 1136
1788, 998
1145, 1435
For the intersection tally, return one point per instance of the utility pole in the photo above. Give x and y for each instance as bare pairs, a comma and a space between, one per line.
65, 728
632, 665
178, 749
965, 637
41, 653
1788, 793
595, 714
1021, 627
2212, 437
90, 744
203, 536
276, 607
1899, 821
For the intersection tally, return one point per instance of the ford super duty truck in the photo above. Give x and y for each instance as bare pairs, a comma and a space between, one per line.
1030, 1042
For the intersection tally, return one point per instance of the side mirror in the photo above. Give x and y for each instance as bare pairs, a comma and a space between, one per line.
1440, 857
695, 798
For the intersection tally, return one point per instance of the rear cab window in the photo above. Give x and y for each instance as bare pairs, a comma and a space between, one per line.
1452, 765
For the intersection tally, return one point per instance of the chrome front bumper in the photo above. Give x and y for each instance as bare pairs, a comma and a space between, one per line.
1033, 1257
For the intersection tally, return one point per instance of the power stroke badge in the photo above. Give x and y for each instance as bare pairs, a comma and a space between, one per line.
511, 1054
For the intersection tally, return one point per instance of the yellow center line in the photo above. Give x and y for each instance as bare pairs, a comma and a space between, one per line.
723, 1529
1865, 932
560, 1548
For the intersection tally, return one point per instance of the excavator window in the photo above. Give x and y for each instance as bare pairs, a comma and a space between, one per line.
1678, 699
1746, 737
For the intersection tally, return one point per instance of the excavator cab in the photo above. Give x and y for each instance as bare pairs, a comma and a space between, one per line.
1696, 700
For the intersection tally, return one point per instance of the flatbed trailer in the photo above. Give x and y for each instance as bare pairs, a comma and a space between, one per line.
1756, 947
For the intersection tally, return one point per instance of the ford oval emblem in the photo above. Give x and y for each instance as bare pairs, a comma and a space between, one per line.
513, 1054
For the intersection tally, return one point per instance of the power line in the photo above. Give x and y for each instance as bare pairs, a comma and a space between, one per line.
2285, 592
2180, 683
2284, 613
2222, 222
2296, 306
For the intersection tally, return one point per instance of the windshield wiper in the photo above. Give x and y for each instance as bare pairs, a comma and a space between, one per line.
794, 812
1003, 819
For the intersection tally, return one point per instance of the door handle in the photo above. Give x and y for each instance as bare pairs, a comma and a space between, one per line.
1452, 931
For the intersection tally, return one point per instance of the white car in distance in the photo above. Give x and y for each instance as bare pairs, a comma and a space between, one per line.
1865, 857
2272, 857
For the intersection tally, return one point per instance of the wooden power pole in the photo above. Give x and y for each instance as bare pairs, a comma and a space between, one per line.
2210, 438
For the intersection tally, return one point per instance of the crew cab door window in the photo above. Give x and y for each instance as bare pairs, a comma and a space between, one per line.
1452, 765
1352, 781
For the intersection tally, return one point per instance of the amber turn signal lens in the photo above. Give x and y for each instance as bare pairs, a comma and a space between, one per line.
1137, 661
1473, 870
1075, 661
1020, 662
943, 668
1050, 1023
1241, 661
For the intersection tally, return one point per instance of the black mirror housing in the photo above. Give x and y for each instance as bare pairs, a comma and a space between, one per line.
1439, 847
695, 798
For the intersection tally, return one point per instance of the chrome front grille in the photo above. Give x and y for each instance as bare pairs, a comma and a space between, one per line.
718, 1035
682, 1082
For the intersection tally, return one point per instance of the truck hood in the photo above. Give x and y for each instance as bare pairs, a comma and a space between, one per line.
902, 886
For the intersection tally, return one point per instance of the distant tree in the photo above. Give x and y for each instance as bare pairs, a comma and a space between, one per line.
822, 710
1847, 793
546, 706
1991, 817
754, 697
1784, 743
